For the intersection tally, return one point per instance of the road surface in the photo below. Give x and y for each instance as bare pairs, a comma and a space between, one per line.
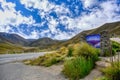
10, 69
6, 58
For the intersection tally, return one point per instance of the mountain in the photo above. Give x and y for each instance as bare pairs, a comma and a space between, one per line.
13, 38
43, 43
113, 28
31, 40
6, 48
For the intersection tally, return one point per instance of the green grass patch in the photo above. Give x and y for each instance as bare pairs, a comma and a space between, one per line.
47, 60
87, 51
75, 50
112, 72
7, 48
77, 68
115, 47
102, 78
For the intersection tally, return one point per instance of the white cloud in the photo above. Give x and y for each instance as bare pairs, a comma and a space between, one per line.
9, 16
34, 35
89, 3
94, 19
52, 25
5, 28
97, 16
63, 35
38, 4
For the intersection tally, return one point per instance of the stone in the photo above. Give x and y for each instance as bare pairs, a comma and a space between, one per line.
102, 64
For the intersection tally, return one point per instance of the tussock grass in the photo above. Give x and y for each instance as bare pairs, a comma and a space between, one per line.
112, 72
115, 47
83, 49
6, 48
48, 59
79, 59
77, 68
102, 78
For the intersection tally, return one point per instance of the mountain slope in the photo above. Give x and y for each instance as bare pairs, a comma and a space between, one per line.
44, 43
6, 48
113, 28
12, 38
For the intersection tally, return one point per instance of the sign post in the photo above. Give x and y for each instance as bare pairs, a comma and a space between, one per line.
93, 40
101, 41
106, 48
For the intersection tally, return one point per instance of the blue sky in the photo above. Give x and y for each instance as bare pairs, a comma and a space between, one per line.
57, 19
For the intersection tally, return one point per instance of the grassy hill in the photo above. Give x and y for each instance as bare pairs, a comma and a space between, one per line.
113, 28
6, 48
9, 42
44, 43
13, 38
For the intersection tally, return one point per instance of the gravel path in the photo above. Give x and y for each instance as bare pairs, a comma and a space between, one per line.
95, 73
6, 58
19, 71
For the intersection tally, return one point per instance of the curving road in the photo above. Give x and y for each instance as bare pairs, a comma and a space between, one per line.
10, 70
6, 58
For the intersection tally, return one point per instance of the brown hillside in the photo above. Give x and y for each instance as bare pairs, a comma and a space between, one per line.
113, 28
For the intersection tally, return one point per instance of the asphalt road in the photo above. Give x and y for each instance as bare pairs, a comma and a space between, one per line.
19, 71
12, 70
6, 58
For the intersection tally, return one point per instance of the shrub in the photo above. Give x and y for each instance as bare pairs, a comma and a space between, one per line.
50, 61
80, 49
115, 47
70, 52
46, 60
113, 72
63, 50
77, 68
86, 51
102, 78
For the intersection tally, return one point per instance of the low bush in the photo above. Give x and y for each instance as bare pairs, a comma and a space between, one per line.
50, 61
87, 51
74, 50
47, 60
115, 47
102, 78
113, 72
77, 68
70, 52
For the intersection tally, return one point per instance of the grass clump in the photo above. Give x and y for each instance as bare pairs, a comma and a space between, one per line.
7, 48
47, 60
77, 68
115, 47
50, 61
70, 52
112, 72
102, 78
87, 51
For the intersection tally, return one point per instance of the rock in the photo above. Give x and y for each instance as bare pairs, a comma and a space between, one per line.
102, 64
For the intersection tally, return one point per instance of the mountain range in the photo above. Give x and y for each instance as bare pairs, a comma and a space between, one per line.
44, 43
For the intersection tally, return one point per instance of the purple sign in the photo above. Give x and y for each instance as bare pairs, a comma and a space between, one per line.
93, 40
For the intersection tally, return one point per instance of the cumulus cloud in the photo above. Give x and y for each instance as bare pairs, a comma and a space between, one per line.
64, 35
95, 14
89, 3
9, 16
108, 12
